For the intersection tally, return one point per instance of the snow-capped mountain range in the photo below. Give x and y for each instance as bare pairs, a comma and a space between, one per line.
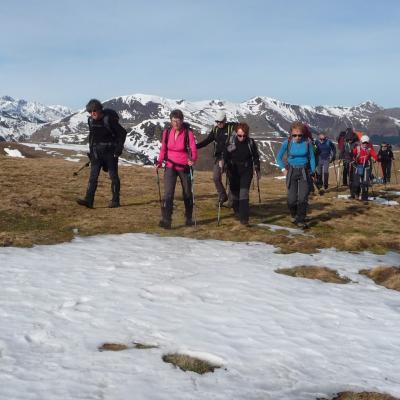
19, 119
144, 116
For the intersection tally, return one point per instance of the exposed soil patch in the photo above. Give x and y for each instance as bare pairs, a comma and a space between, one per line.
389, 277
188, 363
121, 346
363, 396
310, 272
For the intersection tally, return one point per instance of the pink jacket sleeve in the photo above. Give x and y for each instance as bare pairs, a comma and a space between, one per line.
163, 149
192, 145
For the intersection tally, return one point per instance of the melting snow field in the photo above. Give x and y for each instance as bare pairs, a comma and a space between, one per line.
13, 152
277, 337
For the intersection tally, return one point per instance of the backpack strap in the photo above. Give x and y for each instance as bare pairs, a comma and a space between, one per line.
186, 141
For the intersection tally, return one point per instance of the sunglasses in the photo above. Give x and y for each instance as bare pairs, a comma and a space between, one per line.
297, 135
241, 136
219, 122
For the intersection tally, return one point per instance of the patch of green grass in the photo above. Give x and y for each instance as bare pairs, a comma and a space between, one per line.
188, 363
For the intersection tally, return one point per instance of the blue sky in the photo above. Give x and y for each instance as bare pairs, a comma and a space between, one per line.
303, 52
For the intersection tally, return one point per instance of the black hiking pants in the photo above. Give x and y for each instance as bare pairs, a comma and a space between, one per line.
298, 185
170, 178
102, 156
347, 173
322, 173
240, 177
361, 182
386, 170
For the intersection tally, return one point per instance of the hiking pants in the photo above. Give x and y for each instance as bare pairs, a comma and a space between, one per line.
298, 185
386, 170
361, 180
323, 173
347, 173
217, 177
103, 157
239, 183
170, 178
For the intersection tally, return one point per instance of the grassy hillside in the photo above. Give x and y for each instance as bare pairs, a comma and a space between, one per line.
38, 207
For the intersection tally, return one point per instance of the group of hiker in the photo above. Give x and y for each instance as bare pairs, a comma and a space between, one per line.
305, 163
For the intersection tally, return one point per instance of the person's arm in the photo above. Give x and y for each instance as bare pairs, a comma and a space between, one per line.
193, 147
311, 155
256, 157
373, 153
210, 138
163, 149
120, 133
391, 155
279, 157
333, 151
380, 155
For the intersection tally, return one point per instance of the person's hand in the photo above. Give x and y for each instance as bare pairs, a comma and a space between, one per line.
284, 172
158, 165
221, 164
190, 163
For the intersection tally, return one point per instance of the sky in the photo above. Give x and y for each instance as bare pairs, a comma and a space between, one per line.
312, 52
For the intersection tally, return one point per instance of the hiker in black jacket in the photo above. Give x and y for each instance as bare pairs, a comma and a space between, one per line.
241, 159
385, 157
221, 135
106, 142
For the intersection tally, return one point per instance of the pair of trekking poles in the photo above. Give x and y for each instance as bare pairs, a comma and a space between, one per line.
191, 177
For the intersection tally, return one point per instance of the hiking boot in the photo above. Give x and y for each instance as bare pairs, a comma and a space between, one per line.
244, 222
189, 222
302, 225
321, 192
293, 220
85, 203
114, 204
164, 224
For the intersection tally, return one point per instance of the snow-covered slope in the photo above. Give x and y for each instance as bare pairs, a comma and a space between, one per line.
145, 116
20, 118
275, 337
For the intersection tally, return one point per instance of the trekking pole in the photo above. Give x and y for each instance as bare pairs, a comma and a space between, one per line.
76, 173
194, 202
219, 213
258, 188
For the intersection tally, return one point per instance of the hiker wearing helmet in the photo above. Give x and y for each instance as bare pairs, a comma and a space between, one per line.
106, 142
241, 158
326, 153
363, 153
386, 157
299, 165
221, 134
179, 153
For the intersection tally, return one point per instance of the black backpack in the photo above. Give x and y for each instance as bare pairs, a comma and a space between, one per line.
119, 134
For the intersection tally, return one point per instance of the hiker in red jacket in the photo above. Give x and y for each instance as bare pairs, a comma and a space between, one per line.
363, 153
179, 153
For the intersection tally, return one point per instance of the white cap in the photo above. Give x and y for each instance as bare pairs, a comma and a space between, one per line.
364, 139
221, 116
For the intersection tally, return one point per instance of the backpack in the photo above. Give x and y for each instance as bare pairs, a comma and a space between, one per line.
118, 135
231, 128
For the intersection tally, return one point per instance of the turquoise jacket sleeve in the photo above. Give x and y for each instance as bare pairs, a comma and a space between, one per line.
282, 151
312, 158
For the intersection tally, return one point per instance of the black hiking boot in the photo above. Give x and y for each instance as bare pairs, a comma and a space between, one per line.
189, 222
85, 203
114, 204
164, 224
302, 225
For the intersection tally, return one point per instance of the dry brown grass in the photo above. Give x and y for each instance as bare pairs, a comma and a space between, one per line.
320, 273
121, 346
113, 347
389, 277
188, 363
363, 396
38, 207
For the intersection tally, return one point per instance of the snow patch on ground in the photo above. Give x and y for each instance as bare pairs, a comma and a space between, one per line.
277, 337
13, 152
377, 200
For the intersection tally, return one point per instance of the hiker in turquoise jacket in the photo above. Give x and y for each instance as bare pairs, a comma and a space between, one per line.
298, 168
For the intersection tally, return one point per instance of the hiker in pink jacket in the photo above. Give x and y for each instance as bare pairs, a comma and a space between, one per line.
179, 153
